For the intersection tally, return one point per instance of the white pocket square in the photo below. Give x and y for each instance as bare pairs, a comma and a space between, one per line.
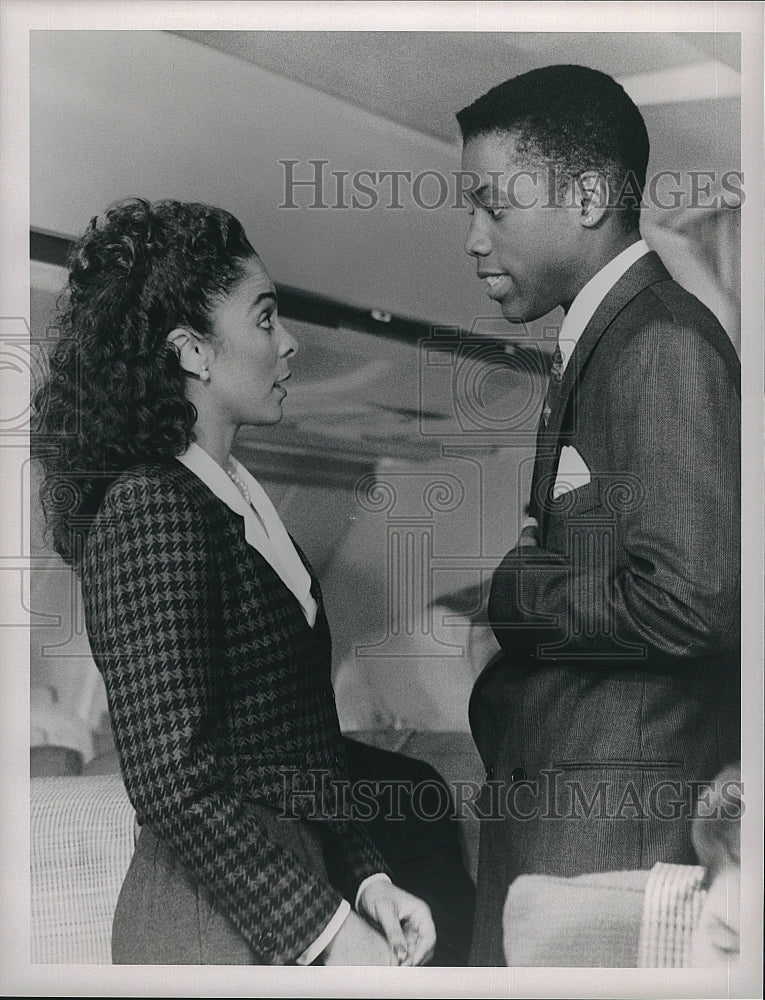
572, 472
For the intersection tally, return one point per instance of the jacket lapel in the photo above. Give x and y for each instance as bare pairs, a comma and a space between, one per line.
645, 272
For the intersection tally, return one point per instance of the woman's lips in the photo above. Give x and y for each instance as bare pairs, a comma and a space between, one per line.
279, 384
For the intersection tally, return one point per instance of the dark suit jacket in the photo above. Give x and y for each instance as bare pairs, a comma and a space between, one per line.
220, 695
618, 686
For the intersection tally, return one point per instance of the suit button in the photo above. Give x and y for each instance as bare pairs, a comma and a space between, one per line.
517, 774
490, 773
267, 942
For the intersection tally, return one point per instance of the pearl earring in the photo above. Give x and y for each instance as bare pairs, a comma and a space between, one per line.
204, 375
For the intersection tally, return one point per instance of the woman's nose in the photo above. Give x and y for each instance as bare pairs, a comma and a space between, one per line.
478, 243
287, 344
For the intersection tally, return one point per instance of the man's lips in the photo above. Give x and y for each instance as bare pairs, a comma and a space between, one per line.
497, 283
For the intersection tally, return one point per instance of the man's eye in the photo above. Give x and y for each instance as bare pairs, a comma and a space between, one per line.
267, 322
496, 213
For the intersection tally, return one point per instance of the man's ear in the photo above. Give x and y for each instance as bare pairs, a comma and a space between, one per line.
592, 193
191, 354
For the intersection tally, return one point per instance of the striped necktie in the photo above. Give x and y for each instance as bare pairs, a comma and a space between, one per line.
556, 377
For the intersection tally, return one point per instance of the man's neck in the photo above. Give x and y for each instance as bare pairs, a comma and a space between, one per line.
598, 257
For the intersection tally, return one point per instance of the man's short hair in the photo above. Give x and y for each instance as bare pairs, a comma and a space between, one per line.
574, 117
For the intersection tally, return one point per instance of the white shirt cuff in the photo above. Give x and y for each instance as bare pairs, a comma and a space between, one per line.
313, 951
530, 522
367, 881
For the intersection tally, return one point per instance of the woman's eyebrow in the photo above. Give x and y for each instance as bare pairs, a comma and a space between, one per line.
261, 297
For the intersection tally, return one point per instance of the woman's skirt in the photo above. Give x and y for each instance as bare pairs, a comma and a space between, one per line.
165, 917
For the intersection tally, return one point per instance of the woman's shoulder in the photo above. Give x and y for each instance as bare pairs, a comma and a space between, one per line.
154, 514
158, 488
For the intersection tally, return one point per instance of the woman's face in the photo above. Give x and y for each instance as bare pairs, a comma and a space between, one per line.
250, 351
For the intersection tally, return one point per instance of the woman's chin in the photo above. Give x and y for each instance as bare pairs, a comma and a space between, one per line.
265, 417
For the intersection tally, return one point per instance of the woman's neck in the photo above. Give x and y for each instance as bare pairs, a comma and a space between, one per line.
216, 441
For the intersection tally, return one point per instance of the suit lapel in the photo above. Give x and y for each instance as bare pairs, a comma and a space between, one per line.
315, 588
645, 272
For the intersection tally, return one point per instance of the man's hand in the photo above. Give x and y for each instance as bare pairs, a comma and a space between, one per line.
404, 919
356, 943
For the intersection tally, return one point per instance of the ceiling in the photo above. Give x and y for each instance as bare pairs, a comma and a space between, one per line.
215, 116
421, 78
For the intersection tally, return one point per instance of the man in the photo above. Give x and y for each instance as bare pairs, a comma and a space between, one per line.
618, 608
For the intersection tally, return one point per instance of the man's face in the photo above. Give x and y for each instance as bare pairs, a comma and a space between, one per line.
524, 238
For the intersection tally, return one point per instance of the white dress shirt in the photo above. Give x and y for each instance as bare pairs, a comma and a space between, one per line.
264, 531
263, 528
582, 309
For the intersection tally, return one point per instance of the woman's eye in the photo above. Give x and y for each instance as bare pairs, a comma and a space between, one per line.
496, 213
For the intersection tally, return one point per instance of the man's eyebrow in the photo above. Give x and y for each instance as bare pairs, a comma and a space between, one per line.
492, 189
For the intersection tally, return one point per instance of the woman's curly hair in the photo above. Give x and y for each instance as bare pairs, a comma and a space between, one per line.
114, 394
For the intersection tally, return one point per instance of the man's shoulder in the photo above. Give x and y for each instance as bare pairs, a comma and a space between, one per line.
664, 308
673, 303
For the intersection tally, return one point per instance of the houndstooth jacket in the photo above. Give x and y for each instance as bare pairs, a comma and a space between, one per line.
220, 695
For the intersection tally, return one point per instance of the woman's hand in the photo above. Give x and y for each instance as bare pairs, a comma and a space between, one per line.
356, 943
404, 919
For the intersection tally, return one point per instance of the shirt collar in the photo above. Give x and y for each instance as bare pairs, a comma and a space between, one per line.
583, 307
274, 543
213, 476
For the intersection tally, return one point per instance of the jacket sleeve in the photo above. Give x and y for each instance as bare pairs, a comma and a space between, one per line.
148, 585
351, 858
671, 420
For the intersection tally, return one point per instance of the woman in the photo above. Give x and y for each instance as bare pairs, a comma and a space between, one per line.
204, 618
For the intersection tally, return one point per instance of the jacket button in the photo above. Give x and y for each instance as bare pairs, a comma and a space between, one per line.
267, 942
490, 773
517, 774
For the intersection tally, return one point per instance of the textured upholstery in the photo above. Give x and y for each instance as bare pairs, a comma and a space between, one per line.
82, 838
619, 919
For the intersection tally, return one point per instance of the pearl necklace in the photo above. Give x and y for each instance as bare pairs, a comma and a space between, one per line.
241, 486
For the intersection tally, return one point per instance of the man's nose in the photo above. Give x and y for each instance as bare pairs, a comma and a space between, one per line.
478, 243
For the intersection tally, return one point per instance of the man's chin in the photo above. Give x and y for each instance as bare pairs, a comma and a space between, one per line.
513, 312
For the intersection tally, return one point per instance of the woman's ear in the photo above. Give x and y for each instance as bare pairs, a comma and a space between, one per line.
191, 354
